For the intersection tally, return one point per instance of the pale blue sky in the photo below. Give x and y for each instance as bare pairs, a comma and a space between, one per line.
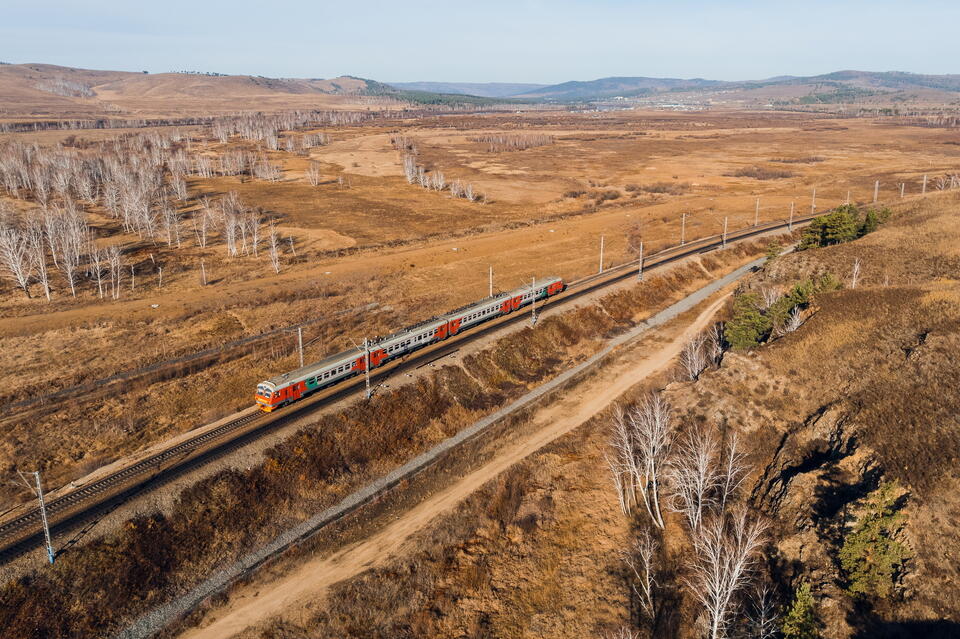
486, 40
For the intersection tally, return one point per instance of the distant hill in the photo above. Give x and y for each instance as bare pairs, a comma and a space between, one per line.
50, 91
482, 89
837, 86
617, 86
46, 90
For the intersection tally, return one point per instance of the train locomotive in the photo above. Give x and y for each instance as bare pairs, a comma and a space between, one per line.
284, 389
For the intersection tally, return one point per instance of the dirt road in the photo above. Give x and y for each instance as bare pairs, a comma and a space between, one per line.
256, 605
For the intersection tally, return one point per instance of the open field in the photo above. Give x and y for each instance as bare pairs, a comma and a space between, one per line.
363, 235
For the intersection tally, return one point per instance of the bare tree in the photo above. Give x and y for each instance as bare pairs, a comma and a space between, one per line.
726, 550
694, 476
200, 228
763, 619
794, 321
715, 343
38, 255
73, 236
274, 239
693, 358
313, 174
642, 561
16, 257
768, 296
114, 260
97, 260
733, 470
855, 273
642, 440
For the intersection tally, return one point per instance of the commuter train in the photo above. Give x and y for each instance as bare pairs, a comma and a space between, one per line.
289, 387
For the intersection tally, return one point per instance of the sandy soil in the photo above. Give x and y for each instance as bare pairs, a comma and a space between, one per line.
257, 604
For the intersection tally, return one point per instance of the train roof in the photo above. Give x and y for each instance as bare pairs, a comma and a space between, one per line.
305, 371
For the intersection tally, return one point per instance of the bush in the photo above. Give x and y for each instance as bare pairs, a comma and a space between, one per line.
761, 173
773, 251
800, 621
871, 556
603, 196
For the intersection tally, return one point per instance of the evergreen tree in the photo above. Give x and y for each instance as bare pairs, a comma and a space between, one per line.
748, 326
871, 556
800, 622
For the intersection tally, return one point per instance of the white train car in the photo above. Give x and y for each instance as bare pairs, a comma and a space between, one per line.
288, 387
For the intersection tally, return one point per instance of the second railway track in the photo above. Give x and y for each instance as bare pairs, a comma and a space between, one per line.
68, 511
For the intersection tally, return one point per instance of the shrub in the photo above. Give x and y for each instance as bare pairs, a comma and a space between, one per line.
574, 193
761, 173
603, 196
773, 251
871, 556
800, 622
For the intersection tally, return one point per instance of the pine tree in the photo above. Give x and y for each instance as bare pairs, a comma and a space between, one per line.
800, 622
871, 556
748, 326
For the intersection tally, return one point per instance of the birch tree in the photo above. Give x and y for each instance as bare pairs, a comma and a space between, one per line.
16, 258
695, 476
725, 555
693, 357
38, 257
274, 240
642, 562
642, 441
313, 174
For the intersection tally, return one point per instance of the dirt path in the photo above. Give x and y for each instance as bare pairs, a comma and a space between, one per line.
257, 604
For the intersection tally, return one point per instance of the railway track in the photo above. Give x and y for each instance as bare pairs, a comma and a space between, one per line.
68, 511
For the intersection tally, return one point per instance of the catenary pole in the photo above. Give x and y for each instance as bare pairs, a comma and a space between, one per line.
300, 344
43, 518
640, 261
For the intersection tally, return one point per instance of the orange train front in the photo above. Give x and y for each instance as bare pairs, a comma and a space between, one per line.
286, 388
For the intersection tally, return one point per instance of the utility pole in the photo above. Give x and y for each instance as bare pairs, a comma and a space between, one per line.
756, 213
43, 518
876, 191
366, 367
724, 232
813, 201
683, 228
491, 281
300, 343
790, 221
533, 301
601, 254
924, 191
640, 268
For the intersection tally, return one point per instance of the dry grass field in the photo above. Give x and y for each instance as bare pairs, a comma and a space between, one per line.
363, 251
